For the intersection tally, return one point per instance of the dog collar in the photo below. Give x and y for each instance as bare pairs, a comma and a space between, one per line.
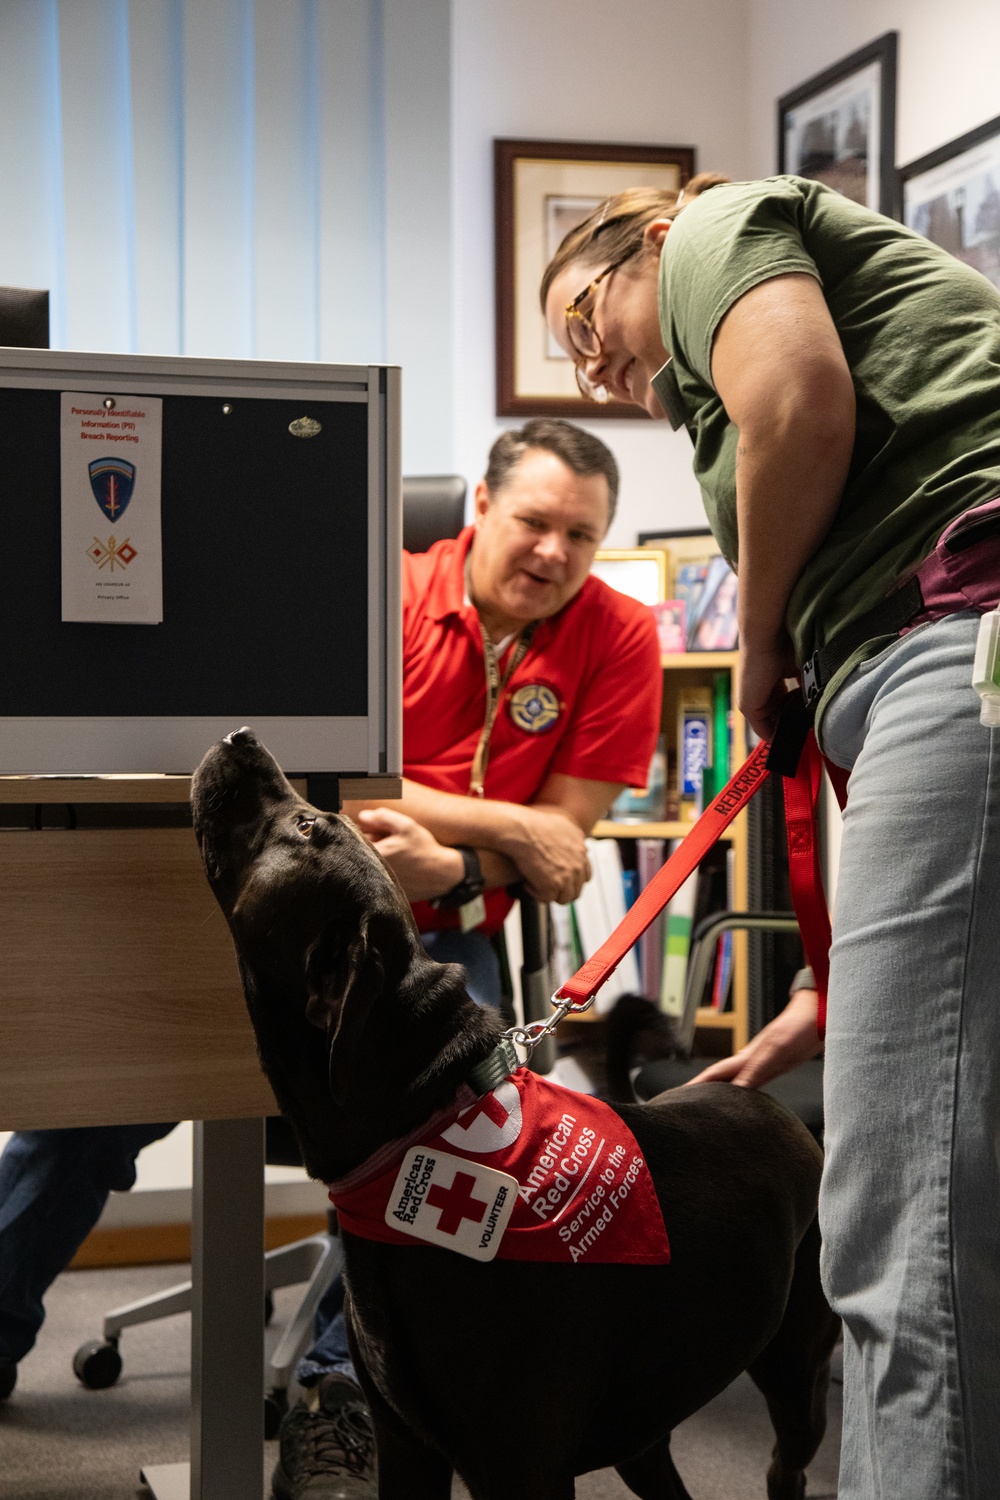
493, 1069
484, 1077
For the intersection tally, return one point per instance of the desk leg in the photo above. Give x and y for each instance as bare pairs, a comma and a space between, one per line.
227, 1319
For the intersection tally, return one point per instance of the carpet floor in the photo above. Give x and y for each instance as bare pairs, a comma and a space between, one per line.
59, 1441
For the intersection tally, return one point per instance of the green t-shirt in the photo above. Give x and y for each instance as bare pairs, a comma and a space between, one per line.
921, 333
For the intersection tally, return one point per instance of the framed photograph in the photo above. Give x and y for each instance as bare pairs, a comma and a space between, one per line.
686, 553
640, 572
712, 626
952, 196
543, 190
840, 127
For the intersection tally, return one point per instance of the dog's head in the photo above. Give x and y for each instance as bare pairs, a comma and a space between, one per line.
347, 1007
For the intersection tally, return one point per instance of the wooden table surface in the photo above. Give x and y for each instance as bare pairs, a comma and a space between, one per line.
119, 995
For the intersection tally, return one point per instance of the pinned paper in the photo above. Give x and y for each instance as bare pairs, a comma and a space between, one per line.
112, 563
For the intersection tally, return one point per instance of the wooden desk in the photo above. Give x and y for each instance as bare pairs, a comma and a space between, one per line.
120, 1003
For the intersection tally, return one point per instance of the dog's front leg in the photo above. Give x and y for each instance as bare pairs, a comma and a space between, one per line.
408, 1468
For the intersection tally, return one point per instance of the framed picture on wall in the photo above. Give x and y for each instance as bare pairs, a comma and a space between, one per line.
840, 126
640, 572
952, 195
543, 190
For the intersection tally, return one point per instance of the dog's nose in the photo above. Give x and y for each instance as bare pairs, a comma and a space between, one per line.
242, 736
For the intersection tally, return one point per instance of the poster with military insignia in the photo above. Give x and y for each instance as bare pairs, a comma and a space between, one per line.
112, 571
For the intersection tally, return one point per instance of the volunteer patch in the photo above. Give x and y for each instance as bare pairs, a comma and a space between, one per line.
450, 1201
564, 1180
534, 708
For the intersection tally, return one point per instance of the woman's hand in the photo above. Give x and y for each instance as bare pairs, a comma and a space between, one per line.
423, 867
763, 684
790, 1039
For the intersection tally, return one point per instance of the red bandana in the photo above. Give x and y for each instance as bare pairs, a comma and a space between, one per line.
532, 1171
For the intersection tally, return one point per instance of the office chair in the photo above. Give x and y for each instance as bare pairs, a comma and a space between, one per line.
24, 318
800, 1091
433, 508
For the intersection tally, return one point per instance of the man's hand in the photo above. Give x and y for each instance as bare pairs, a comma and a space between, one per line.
790, 1039
423, 867
550, 852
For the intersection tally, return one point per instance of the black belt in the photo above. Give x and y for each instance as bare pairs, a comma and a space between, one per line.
798, 711
887, 618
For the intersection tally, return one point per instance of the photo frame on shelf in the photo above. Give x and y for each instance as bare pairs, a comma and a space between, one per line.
640, 572
543, 189
952, 197
839, 127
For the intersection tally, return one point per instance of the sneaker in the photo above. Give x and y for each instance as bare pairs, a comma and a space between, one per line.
8, 1377
327, 1453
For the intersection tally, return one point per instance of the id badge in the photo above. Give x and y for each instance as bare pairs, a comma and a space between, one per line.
472, 914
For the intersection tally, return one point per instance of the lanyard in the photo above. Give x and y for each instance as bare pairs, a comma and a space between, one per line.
495, 684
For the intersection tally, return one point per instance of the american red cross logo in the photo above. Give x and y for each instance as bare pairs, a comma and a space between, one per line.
456, 1203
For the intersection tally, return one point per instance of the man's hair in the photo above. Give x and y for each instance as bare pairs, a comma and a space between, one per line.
579, 451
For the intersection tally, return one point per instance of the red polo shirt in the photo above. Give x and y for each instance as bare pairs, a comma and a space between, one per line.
585, 701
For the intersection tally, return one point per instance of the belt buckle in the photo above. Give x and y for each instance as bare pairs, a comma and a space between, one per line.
810, 680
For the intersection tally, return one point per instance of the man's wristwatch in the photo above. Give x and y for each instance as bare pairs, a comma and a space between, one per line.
469, 887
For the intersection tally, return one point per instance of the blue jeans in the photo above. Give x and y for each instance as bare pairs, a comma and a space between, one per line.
54, 1185
329, 1354
910, 1202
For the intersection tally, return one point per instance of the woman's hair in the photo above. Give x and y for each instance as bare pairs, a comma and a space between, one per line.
614, 231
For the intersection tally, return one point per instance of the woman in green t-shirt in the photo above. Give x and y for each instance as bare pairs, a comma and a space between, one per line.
839, 377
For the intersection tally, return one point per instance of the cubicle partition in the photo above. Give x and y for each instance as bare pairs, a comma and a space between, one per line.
190, 545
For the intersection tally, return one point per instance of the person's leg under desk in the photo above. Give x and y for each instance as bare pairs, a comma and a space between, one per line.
53, 1186
910, 1205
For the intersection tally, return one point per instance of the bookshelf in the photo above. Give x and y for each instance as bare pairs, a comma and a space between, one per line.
697, 668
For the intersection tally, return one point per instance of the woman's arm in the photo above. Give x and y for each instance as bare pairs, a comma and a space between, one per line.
780, 371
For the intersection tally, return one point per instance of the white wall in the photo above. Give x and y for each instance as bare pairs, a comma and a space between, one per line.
639, 71
947, 80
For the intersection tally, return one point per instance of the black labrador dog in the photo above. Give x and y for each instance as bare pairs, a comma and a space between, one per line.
517, 1375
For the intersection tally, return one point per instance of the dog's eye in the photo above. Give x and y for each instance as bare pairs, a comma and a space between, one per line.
304, 824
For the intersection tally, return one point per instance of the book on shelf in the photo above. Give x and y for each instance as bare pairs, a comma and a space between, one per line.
650, 854
676, 944
722, 979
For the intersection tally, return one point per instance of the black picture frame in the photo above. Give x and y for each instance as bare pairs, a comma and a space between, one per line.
933, 197
823, 100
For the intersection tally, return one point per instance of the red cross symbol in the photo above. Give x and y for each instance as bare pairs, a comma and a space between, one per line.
493, 1110
457, 1203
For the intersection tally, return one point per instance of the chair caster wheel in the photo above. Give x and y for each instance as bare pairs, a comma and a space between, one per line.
97, 1365
8, 1377
268, 1308
275, 1406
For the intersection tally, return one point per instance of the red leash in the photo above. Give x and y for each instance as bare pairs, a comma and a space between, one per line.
801, 803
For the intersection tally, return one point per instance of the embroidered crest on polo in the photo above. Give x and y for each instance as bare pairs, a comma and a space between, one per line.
534, 708
491, 1124
451, 1201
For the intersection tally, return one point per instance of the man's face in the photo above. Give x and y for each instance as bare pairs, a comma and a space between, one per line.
536, 538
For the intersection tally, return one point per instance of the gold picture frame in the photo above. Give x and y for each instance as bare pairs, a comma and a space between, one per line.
640, 572
544, 188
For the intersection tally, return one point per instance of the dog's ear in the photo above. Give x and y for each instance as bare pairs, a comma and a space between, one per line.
344, 976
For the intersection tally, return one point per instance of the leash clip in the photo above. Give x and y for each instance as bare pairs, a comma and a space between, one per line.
533, 1032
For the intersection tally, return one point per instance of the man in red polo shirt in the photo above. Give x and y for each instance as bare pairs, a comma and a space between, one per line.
531, 696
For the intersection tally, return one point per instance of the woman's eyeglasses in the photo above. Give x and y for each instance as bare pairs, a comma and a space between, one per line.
584, 337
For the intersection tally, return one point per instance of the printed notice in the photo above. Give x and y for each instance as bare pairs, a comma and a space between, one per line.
112, 568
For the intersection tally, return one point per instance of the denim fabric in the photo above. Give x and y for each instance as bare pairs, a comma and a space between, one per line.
329, 1354
53, 1186
910, 1203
